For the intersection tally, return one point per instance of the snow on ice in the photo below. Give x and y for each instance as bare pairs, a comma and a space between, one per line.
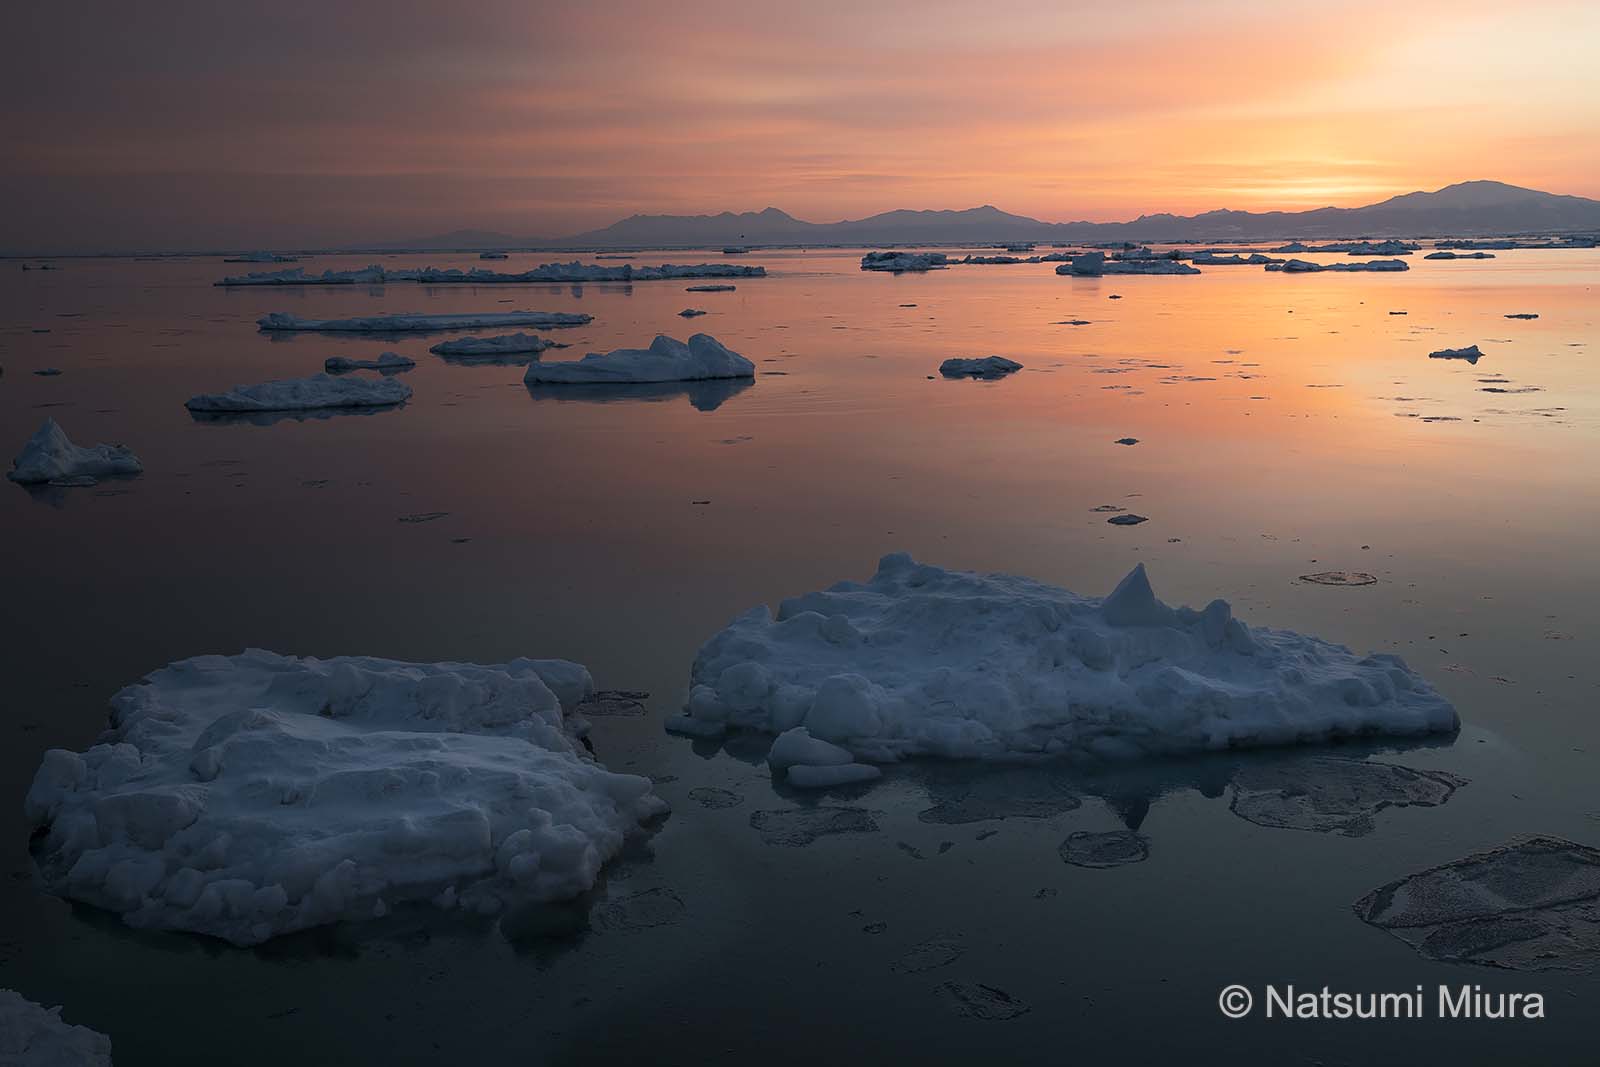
304, 394
248, 796
666, 360
922, 661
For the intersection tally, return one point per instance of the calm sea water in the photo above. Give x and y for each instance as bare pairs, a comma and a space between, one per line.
1286, 425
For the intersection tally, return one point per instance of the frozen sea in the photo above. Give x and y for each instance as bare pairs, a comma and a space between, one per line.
1286, 425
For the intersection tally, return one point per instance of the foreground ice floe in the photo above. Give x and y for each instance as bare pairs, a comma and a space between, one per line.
279, 320
49, 457
1533, 904
985, 367
35, 1036
904, 261
549, 272
666, 360
510, 344
250, 796
925, 661
304, 394
387, 363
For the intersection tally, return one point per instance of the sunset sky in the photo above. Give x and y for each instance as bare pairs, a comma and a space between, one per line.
200, 124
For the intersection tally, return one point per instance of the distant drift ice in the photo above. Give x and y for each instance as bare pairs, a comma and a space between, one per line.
924, 661
279, 320
249, 796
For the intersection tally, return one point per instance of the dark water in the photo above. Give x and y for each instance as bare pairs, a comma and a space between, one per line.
1282, 431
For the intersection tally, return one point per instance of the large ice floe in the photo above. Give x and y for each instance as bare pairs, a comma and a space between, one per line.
279, 321
250, 796
304, 394
36, 1036
922, 661
549, 272
50, 457
666, 360
899, 262
1305, 266
1094, 264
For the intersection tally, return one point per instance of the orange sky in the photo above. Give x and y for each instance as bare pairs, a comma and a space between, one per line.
179, 123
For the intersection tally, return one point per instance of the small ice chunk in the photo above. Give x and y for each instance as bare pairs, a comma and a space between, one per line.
50, 457
986, 367
387, 363
1470, 353
797, 747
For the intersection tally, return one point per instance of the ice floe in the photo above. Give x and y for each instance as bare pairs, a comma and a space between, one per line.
249, 796
1211, 259
1354, 248
387, 363
666, 360
1110, 848
50, 457
1305, 266
407, 323
1340, 796
691, 313
904, 261
549, 272
35, 1036
984, 367
510, 344
304, 394
1459, 255
1533, 904
1095, 264
925, 661
710, 288
1471, 353
260, 257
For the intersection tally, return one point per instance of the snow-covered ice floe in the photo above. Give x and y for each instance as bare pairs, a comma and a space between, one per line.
1305, 266
50, 457
899, 262
985, 367
1095, 264
1212, 259
249, 796
501, 349
549, 272
1471, 353
922, 661
1533, 904
666, 360
35, 1036
304, 394
279, 320
387, 363
1459, 255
